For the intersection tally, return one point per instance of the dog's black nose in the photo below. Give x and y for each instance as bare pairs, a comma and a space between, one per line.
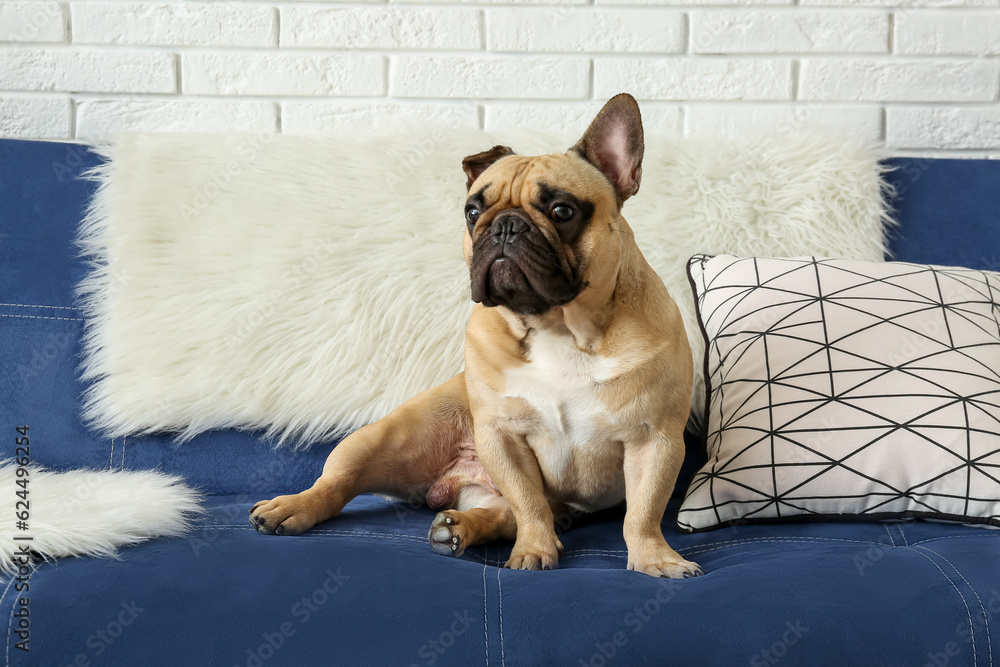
506, 227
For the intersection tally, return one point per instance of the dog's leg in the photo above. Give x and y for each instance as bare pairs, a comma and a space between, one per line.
513, 467
651, 469
400, 455
480, 515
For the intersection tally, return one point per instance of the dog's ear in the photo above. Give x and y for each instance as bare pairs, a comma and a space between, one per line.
613, 144
478, 163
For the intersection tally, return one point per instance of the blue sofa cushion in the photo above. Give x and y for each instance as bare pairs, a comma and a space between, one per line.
365, 589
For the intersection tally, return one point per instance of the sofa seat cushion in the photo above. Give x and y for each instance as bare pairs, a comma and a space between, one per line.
366, 588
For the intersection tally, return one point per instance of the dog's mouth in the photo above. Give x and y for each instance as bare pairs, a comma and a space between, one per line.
514, 265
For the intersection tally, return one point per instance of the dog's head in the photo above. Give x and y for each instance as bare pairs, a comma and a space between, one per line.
540, 230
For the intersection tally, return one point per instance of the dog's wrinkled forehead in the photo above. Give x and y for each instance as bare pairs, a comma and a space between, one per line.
540, 181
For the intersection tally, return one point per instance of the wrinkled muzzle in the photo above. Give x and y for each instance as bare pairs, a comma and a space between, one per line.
514, 265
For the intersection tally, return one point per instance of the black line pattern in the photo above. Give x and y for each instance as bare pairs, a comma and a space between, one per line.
841, 387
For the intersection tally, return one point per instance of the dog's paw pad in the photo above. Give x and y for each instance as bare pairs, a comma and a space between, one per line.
445, 534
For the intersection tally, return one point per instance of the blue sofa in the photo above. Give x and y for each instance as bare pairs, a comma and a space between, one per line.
366, 588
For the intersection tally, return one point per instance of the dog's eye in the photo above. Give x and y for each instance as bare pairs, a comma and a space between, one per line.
561, 213
472, 214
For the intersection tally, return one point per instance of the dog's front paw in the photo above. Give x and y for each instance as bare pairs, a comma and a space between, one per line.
663, 562
284, 515
535, 556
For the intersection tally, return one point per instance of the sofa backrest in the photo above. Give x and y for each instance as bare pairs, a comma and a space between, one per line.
949, 213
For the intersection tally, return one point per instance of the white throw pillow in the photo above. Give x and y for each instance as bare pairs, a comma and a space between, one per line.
841, 387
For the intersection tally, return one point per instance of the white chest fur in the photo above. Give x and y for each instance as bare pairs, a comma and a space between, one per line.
561, 383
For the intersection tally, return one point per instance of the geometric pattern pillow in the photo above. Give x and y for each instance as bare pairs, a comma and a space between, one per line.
847, 389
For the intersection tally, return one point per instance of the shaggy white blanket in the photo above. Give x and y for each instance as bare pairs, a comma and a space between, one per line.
309, 285
89, 512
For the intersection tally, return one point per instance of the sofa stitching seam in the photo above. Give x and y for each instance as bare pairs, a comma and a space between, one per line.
711, 546
10, 621
986, 618
807, 538
715, 546
503, 659
35, 305
407, 538
965, 603
951, 537
486, 615
773, 540
381, 535
780, 539
39, 317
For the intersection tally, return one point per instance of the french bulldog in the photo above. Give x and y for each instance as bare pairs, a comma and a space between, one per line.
577, 376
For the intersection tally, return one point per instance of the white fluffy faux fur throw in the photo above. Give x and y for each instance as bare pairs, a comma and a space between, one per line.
309, 285
92, 512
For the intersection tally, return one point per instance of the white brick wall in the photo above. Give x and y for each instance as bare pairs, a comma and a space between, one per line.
923, 76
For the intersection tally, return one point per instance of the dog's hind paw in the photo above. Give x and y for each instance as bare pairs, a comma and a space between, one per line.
446, 534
